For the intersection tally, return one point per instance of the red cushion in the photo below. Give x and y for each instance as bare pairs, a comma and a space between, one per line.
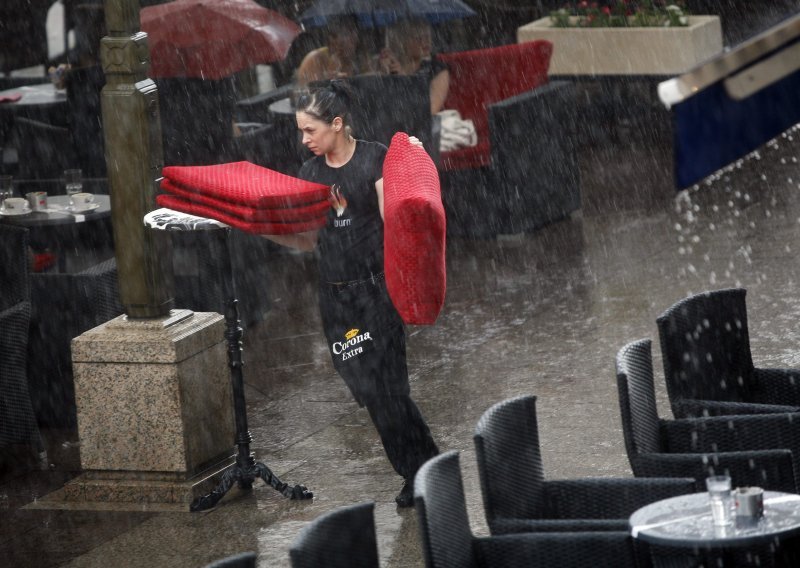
481, 77
247, 184
283, 215
414, 232
185, 206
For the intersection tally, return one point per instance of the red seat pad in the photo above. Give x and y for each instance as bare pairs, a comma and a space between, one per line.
482, 77
246, 184
414, 232
284, 215
178, 204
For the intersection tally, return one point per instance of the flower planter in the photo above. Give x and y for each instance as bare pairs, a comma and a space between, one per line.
628, 51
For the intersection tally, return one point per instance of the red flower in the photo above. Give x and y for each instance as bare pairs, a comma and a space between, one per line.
606, 10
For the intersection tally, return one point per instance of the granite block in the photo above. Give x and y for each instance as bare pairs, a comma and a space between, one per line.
172, 412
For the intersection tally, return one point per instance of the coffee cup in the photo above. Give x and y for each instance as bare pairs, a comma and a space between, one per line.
37, 200
15, 204
80, 200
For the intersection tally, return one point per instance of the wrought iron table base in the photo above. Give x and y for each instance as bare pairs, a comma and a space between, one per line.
246, 469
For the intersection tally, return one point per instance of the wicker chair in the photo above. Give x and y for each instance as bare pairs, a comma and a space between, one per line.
448, 542
752, 449
64, 306
707, 362
17, 420
342, 538
517, 498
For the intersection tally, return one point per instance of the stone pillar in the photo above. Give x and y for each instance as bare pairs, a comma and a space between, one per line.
155, 411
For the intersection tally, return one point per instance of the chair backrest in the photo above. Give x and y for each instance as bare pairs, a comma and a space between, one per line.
705, 347
342, 538
44, 150
481, 77
196, 120
14, 278
85, 118
637, 400
510, 460
447, 540
409, 111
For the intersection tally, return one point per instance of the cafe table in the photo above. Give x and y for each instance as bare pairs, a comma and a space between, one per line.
685, 522
38, 102
65, 229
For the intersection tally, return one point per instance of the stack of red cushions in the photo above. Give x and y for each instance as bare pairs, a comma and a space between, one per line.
246, 196
414, 232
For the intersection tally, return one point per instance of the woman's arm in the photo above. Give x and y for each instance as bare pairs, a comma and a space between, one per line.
301, 241
440, 85
379, 191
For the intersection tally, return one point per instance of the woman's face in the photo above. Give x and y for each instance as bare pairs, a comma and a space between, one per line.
318, 136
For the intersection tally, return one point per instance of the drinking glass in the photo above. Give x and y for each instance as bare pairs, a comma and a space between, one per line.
720, 498
74, 180
6, 188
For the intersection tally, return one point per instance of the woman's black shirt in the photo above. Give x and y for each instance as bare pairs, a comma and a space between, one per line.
351, 242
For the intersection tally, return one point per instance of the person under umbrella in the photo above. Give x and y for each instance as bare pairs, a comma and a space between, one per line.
365, 333
342, 56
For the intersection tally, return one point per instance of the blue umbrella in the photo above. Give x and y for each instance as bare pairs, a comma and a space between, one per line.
375, 13
735, 103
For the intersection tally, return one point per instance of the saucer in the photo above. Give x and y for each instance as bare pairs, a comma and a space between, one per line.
12, 213
82, 208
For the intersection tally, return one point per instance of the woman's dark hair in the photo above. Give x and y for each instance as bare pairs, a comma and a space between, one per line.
325, 100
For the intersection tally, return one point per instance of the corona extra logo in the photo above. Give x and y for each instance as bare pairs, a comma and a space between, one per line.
350, 346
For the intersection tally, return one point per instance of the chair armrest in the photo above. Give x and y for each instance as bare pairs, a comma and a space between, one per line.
776, 386
502, 525
534, 155
771, 469
608, 498
573, 549
256, 108
735, 433
695, 408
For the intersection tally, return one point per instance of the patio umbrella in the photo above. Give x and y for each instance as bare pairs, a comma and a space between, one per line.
373, 13
212, 39
734, 103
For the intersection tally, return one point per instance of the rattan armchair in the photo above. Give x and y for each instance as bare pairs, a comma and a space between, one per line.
17, 420
342, 538
758, 449
708, 366
517, 497
448, 542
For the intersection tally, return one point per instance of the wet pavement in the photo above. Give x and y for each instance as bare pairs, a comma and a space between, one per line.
542, 314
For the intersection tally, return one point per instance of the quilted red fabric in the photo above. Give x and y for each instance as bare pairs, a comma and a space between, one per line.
283, 215
246, 184
481, 77
414, 232
259, 228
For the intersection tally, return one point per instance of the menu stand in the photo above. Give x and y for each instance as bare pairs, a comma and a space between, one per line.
246, 469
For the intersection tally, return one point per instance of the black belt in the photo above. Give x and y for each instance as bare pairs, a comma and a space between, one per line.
373, 279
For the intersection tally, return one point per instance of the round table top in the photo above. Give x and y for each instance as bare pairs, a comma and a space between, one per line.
685, 521
40, 94
60, 212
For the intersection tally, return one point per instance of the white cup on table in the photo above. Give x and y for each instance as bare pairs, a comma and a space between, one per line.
82, 200
16, 204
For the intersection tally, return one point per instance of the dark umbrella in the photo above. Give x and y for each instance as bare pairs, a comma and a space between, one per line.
734, 103
372, 13
213, 39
